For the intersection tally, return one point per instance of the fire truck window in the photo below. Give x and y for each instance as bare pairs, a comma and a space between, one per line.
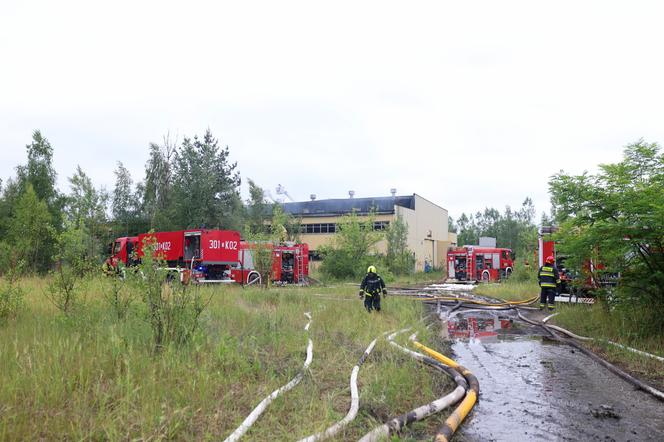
504, 254
479, 263
487, 263
192, 247
116, 247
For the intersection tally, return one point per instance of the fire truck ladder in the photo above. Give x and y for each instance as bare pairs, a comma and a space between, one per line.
300, 268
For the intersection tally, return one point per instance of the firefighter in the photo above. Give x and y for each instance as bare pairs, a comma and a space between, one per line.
549, 281
371, 288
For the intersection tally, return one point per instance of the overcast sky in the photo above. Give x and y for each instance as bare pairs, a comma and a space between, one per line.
469, 104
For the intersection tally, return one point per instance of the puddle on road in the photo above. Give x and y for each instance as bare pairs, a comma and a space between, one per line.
534, 389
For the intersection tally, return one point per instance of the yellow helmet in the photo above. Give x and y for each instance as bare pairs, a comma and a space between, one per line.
371, 269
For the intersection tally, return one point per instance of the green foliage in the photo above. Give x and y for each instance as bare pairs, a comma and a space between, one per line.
157, 190
256, 209
125, 205
31, 232
284, 226
120, 296
173, 309
512, 229
97, 379
72, 264
11, 293
86, 211
40, 174
616, 219
399, 259
261, 253
62, 291
205, 185
349, 256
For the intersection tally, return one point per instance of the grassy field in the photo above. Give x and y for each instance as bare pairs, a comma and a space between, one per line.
89, 375
510, 290
598, 322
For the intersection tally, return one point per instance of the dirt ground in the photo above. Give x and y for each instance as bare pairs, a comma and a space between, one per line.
532, 388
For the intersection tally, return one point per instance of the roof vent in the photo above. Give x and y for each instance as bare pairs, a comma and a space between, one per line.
393, 191
351, 193
312, 196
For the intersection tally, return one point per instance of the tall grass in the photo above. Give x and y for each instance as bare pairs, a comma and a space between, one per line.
624, 326
92, 375
509, 290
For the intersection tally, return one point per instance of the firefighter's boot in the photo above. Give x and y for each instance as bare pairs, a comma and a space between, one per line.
551, 307
542, 306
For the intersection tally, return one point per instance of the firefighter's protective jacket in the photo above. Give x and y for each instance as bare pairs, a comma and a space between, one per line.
372, 284
548, 276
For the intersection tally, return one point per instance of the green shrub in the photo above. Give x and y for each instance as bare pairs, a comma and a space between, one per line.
11, 295
173, 309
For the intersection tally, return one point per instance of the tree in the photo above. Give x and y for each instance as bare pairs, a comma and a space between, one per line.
86, 210
257, 209
41, 175
31, 232
349, 256
512, 229
156, 191
617, 217
205, 185
399, 258
284, 226
124, 203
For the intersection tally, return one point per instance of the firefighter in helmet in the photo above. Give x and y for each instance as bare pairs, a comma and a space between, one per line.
371, 288
549, 281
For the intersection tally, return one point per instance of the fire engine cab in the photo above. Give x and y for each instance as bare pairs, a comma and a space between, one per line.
475, 263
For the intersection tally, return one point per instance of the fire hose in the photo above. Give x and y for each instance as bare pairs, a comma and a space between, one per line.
629, 378
459, 414
354, 405
423, 411
262, 406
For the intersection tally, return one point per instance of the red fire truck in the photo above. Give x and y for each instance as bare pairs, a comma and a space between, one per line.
475, 263
214, 256
207, 254
290, 264
591, 276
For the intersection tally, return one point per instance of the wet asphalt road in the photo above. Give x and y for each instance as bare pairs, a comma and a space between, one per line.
533, 389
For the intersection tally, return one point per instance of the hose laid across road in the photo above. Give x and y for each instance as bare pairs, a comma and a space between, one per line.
629, 378
262, 406
396, 424
354, 404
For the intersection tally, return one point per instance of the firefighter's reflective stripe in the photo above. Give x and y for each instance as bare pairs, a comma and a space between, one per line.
548, 284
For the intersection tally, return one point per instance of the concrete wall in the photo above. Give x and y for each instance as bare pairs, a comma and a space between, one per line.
427, 228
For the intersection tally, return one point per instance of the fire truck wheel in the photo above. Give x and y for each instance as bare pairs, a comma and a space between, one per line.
508, 272
485, 276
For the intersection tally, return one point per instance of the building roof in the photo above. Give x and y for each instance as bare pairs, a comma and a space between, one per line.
337, 207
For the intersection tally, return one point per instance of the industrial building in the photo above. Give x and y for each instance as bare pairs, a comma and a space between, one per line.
428, 235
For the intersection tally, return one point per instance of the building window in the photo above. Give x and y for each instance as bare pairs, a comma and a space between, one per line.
381, 225
318, 228
332, 227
